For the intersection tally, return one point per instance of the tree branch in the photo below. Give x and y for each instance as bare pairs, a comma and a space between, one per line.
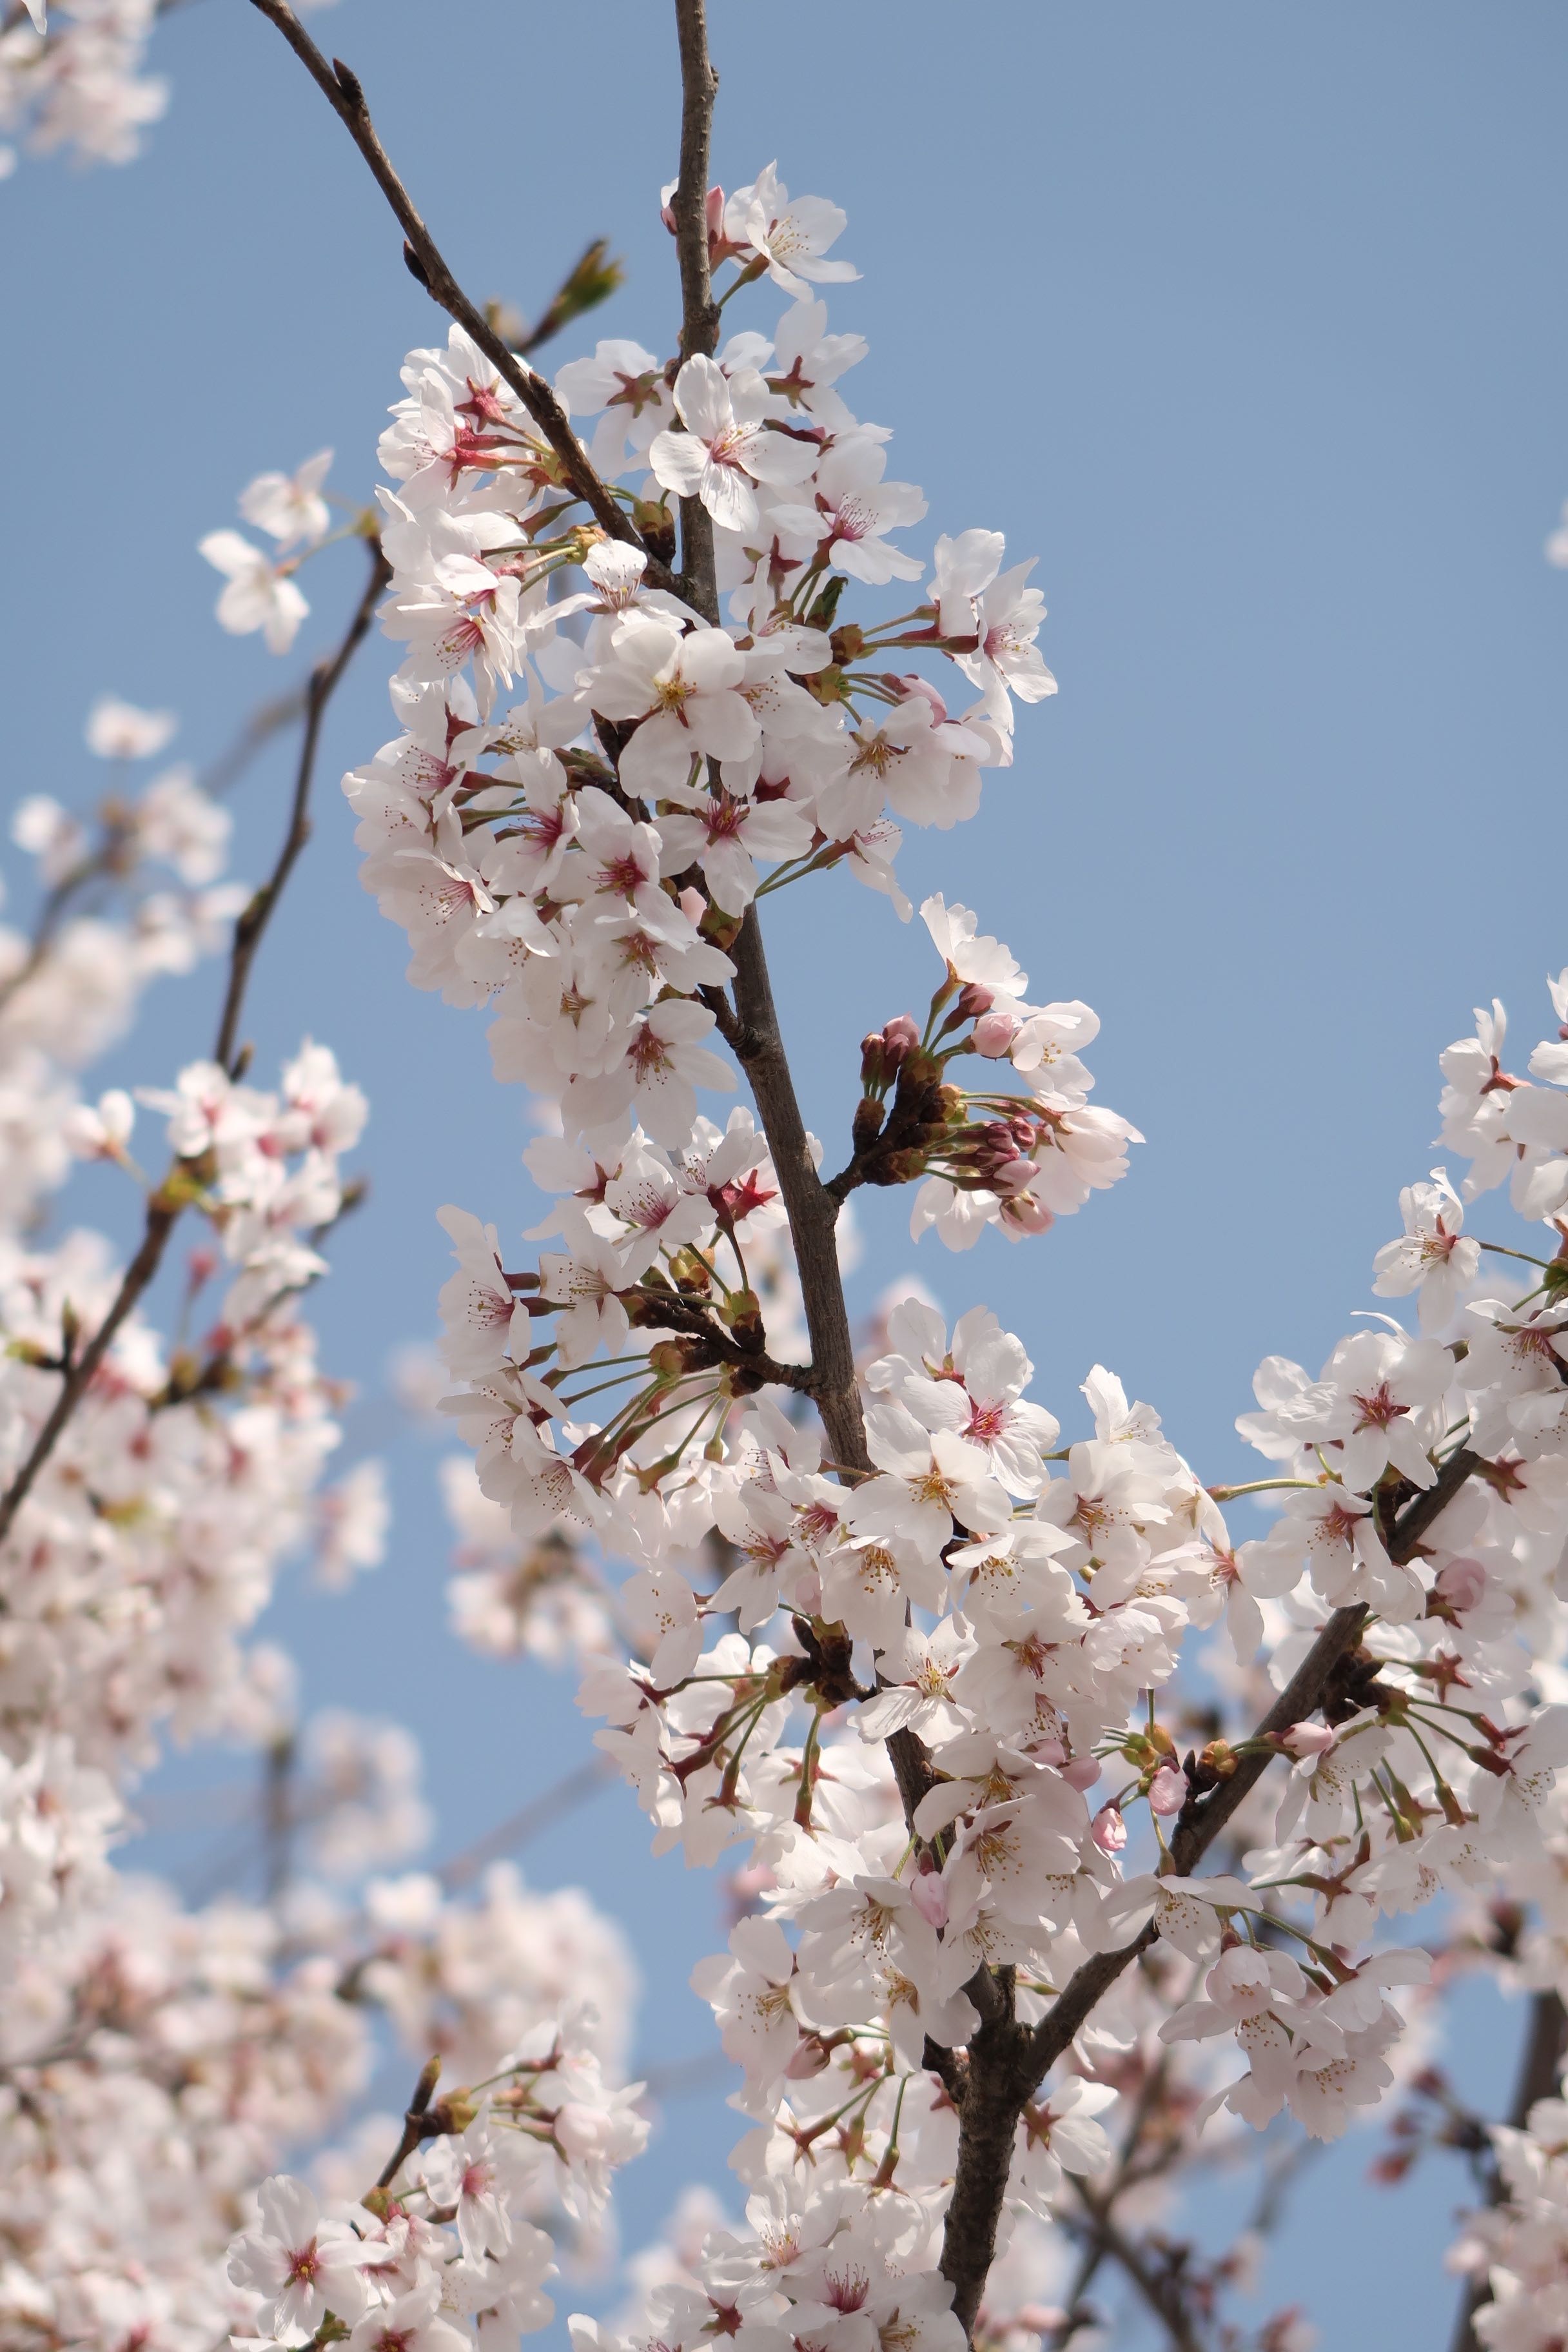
700, 319
164, 1208
253, 922
342, 89
1008, 2067
1160, 2291
1540, 2062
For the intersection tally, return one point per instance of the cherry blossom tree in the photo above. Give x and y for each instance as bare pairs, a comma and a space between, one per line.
1060, 1820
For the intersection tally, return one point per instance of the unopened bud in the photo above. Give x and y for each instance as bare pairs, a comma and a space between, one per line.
909, 687
900, 1038
1108, 1830
655, 528
455, 2113
1220, 1758
1305, 1740
929, 1896
1462, 1583
1027, 1214
810, 2058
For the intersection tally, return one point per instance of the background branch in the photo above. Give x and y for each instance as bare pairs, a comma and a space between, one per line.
1540, 2062
164, 1209
342, 89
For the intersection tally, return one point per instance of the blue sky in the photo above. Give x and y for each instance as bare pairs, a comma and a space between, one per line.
1249, 320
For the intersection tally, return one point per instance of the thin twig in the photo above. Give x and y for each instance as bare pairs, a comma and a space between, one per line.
1161, 2293
573, 1789
253, 922
110, 856
418, 2124
280, 1815
344, 93
268, 718
164, 1208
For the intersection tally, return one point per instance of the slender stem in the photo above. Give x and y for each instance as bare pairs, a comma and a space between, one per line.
99, 863
341, 86
416, 2122
252, 924
266, 720
1162, 2294
573, 1788
164, 1208
280, 1814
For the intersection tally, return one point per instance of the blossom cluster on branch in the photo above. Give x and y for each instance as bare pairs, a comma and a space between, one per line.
158, 1466
931, 1687
1070, 1815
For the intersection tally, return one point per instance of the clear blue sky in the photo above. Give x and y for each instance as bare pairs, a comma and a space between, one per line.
1249, 320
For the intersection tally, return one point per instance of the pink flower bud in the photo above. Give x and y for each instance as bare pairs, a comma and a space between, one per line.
1304, 1739
1167, 1791
810, 2058
1082, 1772
899, 1039
908, 686
974, 1000
1462, 1583
1108, 1830
1025, 1212
713, 212
692, 904
993, 1034
929, 1896
1012, 1177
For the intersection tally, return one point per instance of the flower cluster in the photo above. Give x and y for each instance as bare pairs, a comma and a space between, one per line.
156, 2061
925, 1688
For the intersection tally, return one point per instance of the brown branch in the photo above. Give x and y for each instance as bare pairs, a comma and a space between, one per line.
253, 921
574, 1789
1007, 2064
341, 88
165, 1206
700, 320
1540, 2062
1096, 2249
268, 719
813, 1215
1162, 2291
105, 859
418, 2123
752, 1032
